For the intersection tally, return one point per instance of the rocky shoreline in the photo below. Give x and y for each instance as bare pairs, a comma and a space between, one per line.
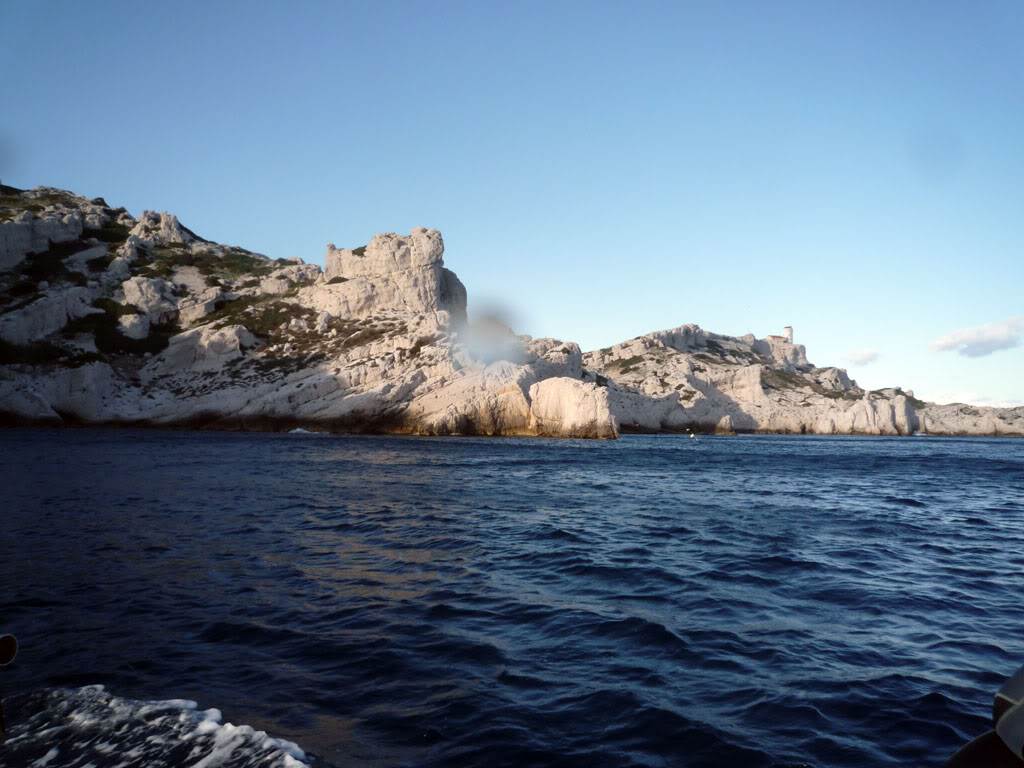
108, 319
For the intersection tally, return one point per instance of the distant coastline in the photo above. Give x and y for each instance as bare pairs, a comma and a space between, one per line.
107, 319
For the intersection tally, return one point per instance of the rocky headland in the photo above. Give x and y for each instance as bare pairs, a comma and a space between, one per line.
110, 319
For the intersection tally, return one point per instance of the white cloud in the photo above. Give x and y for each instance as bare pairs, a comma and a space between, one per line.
863, 356
983, 339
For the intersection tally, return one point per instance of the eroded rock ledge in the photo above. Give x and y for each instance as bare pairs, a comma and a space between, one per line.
110, 319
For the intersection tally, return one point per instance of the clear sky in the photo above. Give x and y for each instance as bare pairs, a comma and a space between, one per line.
598, 170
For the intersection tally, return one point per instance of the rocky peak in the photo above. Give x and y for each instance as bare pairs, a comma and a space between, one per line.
161, 228
792, 357
392, 273
386, 254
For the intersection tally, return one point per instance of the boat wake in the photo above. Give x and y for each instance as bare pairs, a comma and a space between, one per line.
54, 727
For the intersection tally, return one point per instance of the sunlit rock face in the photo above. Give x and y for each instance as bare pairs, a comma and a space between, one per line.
105, 318
687, 379
162, 228
392, 273
155, 325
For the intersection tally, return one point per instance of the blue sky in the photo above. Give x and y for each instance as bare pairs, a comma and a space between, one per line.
598, 170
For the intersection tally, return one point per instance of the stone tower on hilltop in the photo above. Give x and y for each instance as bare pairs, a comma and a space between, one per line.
787, 333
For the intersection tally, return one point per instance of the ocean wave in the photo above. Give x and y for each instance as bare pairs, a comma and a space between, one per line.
429, 603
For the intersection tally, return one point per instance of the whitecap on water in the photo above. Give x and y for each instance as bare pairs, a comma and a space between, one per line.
88, 726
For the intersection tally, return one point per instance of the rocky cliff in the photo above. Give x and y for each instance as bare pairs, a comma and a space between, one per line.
688, 379
110, 319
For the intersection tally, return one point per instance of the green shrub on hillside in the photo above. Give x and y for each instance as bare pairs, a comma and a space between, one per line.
100, 263
114, 309
13, 205
215, 266
365, 336
774, 378
421, 342
49, 265
626, 363
111, 232
260, 314
106, 331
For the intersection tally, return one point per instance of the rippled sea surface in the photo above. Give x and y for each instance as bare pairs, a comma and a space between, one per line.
651, 601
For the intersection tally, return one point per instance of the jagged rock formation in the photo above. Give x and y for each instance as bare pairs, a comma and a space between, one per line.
391, 273
144, 322
688, 379
109, 319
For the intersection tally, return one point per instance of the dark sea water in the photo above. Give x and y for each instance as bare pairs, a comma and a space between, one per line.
378, 601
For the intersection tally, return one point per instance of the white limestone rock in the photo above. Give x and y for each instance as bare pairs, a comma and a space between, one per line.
836, 379
962, 419
273, 285
94, 221
129, 249
386, 347
567, 407
453, 297
55, 216
78, 302
15, 240
152, 296
85, 391
79, 261
22, 402
190, 282
202, 349
195, 312
387, 253
46, 315
474, 398
55, 228
792, 357
134, 326
358, 297
488, 401
685, 338
119, 269
287, 278
88, 392
322, 323
161, 228
393, 272
685, 378
551, 357
194, 308
298, 274
32, 233
42, 317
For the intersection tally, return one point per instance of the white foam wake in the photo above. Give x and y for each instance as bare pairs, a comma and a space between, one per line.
90, 726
